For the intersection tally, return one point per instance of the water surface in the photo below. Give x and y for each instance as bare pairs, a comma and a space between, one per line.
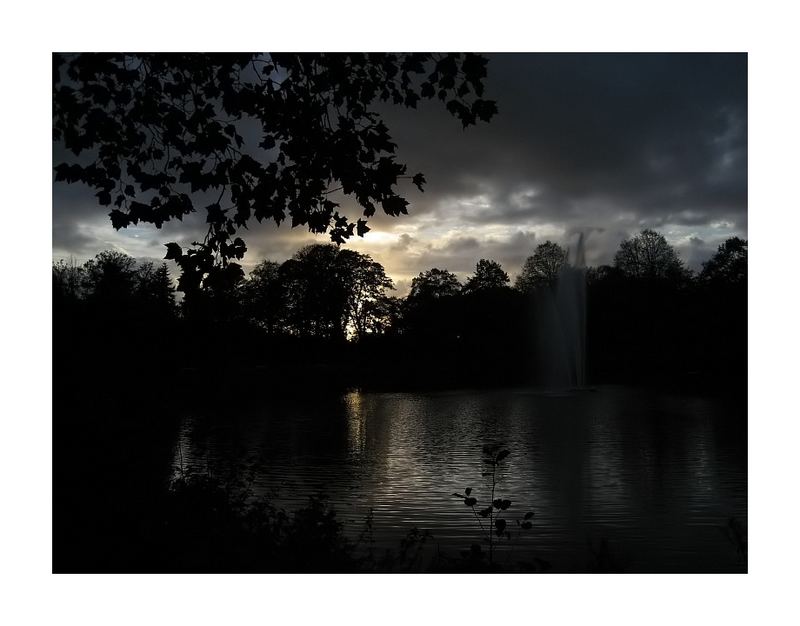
656, 475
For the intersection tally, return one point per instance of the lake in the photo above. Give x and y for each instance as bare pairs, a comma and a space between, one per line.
656, 475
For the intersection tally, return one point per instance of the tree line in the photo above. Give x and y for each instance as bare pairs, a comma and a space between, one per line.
331, 310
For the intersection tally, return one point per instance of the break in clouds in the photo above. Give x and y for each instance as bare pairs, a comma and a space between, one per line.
606, 144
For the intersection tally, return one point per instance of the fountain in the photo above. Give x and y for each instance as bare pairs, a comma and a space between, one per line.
561, 325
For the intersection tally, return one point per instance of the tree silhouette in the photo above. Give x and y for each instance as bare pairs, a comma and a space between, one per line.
430, 311
67, 280
316, 298
602, 274
263, 296
331, 306
329, 291
367, 284
649, 256
488, 275
542, 268
157, 135
155, 290
729, 263
433, 285
382, 315
110, 279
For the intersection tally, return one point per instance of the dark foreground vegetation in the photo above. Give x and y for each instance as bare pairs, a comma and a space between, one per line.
128, 358
199, 523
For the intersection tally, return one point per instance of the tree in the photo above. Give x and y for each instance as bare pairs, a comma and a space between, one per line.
367, 284
68, 280
155, 290
158, 135
542, 268
330, 291
263, 296
649, 256
109, 279
431, 311
601, 274
315, 298
728, 265
488, 275
434, 284
383, 314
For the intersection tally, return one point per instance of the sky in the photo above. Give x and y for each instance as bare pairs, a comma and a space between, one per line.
603, 144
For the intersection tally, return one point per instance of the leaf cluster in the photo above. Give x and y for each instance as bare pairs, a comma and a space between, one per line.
161, 136
497, 526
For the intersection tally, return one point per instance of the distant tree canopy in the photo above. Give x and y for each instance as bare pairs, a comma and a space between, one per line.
488, 275
115, 282
601, 273
110, 276
542, 268
330, 291
67, 284
366, 305
648, 256
158, 135
729, 263
434, 284
331, 307
262, 296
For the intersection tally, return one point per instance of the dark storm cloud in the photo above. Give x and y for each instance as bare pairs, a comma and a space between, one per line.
651, 134
605, 144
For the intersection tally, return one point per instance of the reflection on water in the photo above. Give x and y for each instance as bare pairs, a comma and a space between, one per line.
356, 424
653, 474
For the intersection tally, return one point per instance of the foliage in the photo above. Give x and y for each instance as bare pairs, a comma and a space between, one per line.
157, 135
541, 269
433, 285
206, 524
497, 527
430, 311
117, 283
262, 296
649, 256
382, 315
328, 290
488, 275
408, 558
110, 276
315, 298
728, 265
67, 280
602, 274
330, 308
154, 287
367, 303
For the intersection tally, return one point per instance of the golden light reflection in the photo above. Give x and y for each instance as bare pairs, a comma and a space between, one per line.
356, 423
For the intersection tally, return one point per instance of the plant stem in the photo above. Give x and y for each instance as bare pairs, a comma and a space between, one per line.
479, 519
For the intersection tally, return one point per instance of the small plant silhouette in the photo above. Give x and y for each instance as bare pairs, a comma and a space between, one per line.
495, 513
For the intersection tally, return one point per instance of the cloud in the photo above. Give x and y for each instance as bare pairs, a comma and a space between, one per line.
605, 144
403, 242
646, 133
